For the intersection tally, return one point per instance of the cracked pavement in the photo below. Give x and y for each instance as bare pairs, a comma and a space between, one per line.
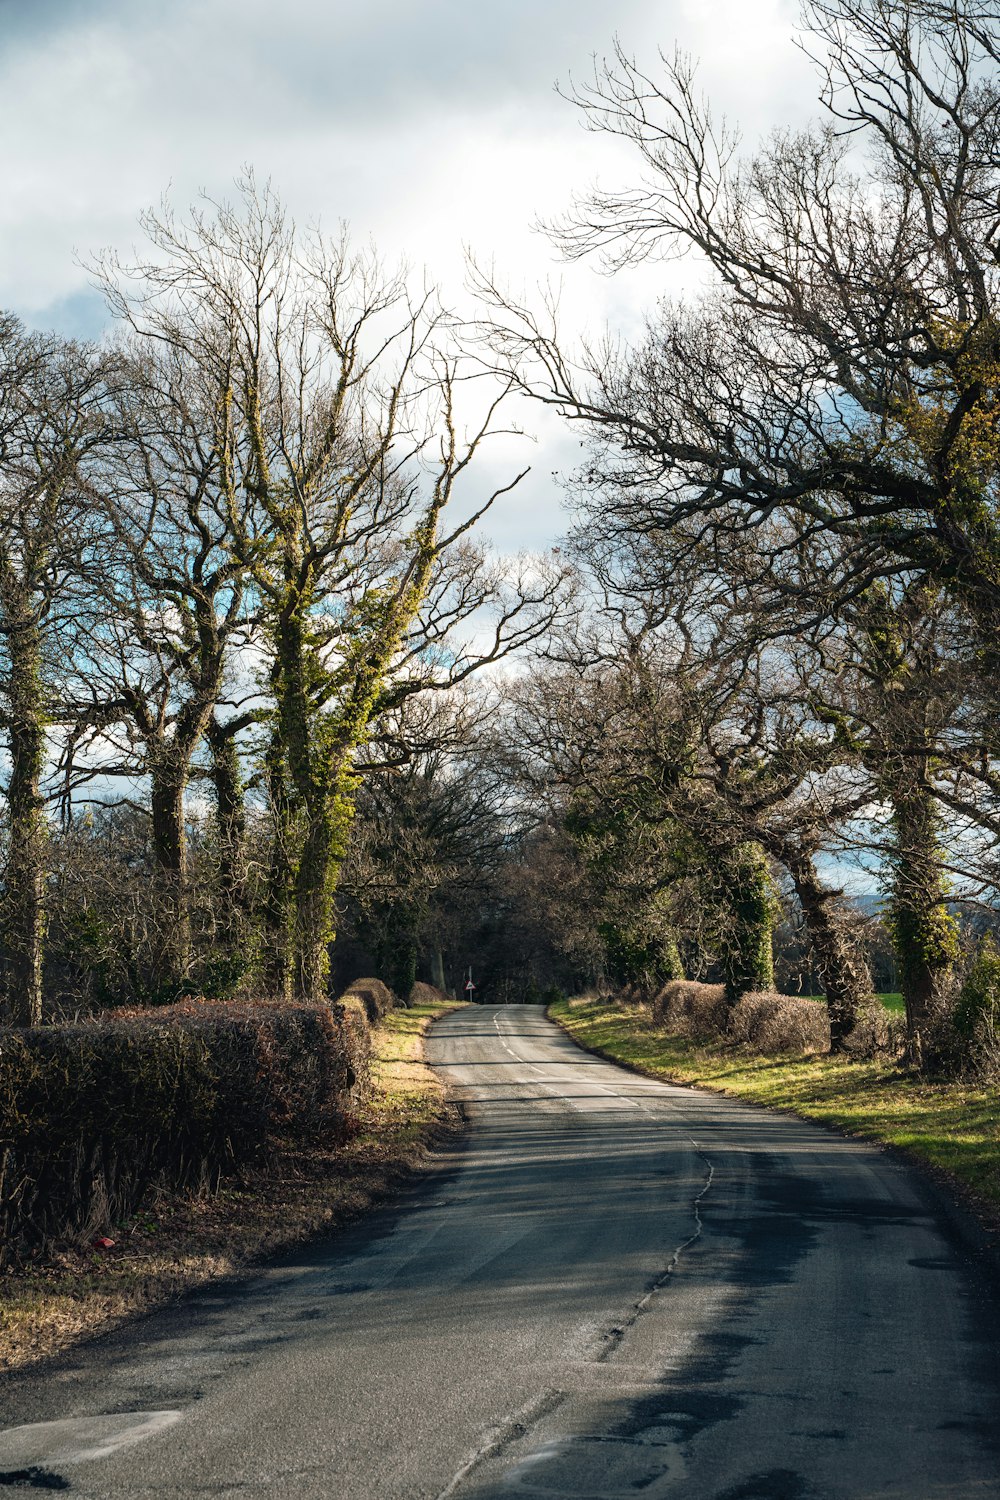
615, 1287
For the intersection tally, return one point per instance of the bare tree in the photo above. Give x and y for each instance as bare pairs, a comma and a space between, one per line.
175, 596
842, 370
53, 421
825, 414
678, 717
341, 455
828, 729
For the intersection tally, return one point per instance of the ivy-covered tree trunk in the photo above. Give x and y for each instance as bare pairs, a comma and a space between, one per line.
841, 968
25, 876
671, 964
230, 825
402, 967
168, 783
924, 934
324, 848
902, 667
637, 956
297, 894
277, 897
746, 918
318, 730
310, 789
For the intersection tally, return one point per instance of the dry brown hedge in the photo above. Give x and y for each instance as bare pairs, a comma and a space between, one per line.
427, 994
95, 1114
697, 1009
376, 998
769, 1022
763, 1020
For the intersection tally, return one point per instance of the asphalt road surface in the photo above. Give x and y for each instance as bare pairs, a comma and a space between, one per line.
614, 1288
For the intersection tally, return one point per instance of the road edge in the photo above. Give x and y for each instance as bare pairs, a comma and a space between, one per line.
48, 1312
975, 1222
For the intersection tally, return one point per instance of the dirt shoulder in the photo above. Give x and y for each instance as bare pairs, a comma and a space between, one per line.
182, 1241
950, 1129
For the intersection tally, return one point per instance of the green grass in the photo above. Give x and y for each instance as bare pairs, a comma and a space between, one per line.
892, 1000
406, 1096
954, 1127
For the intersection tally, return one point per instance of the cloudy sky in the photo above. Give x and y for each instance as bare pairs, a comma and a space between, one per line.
428, 125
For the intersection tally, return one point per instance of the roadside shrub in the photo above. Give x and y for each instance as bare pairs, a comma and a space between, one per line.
699, 1010
976, 1017
375, 998
768, 1022
762, 1020
877, 1032
95, 1114
427, 994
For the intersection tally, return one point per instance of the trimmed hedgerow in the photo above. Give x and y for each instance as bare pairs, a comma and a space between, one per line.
93, 1115
375, 998
428, 994
761, 1020
686, 1005
766, 1021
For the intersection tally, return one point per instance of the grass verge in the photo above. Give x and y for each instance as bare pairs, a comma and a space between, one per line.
182, 1241
953, 1128
891, 1000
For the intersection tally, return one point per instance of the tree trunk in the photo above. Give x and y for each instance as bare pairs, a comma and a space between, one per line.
312, 754
296, 959
747, 916
842, 970
404, 968
168, 777
324, 848
230, 818
276, 912
671, 963
317, 744
312, 933
925, 935
25, 907
437, 970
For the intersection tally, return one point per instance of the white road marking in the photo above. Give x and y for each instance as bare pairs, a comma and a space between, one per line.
77, 1440
554, 1089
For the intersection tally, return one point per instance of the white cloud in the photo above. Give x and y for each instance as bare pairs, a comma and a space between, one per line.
426, 125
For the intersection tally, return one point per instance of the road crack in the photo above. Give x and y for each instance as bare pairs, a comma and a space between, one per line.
515, 1428
615, 1336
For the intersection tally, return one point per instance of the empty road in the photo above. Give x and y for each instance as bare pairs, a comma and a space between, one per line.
613, 1288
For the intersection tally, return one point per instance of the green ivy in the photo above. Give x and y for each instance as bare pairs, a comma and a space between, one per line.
978, 1008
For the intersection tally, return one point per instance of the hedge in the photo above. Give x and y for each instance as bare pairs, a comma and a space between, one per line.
428, 994
686, 1005
375, 998
769, 1022
93, 1115
761, 1020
